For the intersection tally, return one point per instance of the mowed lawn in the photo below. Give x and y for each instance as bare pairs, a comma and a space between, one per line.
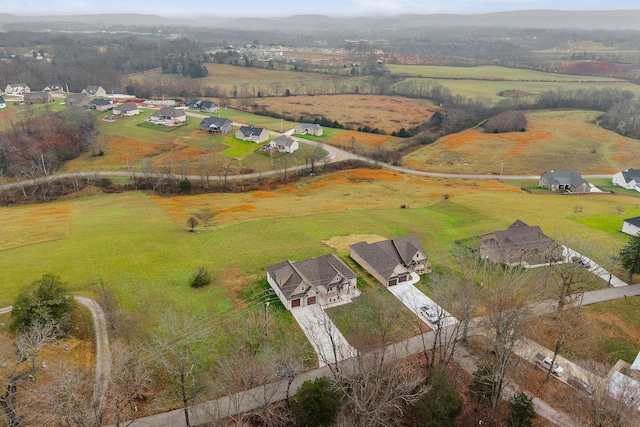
139, 244
568, 139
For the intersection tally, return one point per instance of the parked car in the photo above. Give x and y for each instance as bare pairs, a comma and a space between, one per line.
582, 386
556, 370
581, 261
429, 313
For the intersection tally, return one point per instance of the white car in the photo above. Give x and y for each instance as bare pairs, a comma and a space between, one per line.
556, 370
429, 313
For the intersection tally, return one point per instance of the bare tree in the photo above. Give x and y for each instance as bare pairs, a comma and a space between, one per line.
180, 352
20, 364
506, 295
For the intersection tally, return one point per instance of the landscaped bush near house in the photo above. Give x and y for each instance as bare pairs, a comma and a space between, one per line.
201, 278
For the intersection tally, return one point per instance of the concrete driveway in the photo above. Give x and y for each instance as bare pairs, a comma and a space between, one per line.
594, 268
413, 298
330, 345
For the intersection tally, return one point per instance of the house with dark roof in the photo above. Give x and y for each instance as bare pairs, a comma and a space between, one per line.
631, 226
3, 103
392, 261
308, 129
520, 244
37, 97
564, 180
250, 133
76, 100
216, 124
201, 105
324, 280
100, 104
629, 179
126, 109
94, 91
168, 116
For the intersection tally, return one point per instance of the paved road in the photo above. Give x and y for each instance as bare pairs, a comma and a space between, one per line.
252, 399
335, 155
103, 354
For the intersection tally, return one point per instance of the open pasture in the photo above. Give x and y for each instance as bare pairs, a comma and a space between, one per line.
553, 140
383, 112
228, 78
139, 244
488, 72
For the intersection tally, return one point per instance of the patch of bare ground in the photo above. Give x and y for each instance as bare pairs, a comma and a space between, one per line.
341, 243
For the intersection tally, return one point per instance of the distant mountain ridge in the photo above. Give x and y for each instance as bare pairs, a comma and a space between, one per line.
551, 19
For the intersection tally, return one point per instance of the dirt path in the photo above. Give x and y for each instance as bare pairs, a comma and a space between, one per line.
103, 354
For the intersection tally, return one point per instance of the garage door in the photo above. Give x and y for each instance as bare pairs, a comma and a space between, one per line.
402, 279
311, 300
393, 282
295, 303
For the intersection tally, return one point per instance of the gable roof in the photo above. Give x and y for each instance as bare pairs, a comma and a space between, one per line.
635, 221
284, 141
75, 98
249, 131
564, 177
526, 243
99, 101
385, 256
169, 112
1, 100
127, 106
35, 96
317, 271
309, 126
216, 122
631, 175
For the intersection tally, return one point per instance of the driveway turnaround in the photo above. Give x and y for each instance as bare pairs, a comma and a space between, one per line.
413, 299
330, 345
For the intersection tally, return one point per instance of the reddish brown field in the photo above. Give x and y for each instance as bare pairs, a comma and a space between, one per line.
384, 112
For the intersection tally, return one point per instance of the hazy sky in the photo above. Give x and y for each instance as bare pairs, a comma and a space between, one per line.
255, 8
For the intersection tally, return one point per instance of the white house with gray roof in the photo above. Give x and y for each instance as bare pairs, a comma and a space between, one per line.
631, 226
629, 179
284, 144
216, 124
308, 129
392, 261
250, 133
168, 115
126, 109
324, 280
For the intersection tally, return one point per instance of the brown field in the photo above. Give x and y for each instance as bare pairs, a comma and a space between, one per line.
553, 140
384, 112
341, 243
46, 222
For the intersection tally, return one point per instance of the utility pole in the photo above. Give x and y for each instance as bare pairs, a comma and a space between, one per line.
280, 124
501, 169
266, 317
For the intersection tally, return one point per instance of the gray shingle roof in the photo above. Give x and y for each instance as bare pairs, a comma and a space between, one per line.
127, 106
385, 256
314, 272
283, 141
248, 131
631, 175
635, 221
168, 112
565, 177
218, 122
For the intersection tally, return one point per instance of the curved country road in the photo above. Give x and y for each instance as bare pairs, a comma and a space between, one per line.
335, 155
103, 354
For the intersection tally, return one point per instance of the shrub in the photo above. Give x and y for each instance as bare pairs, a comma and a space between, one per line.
441, 404
316, 403
521, 411
42, 302
201, 278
